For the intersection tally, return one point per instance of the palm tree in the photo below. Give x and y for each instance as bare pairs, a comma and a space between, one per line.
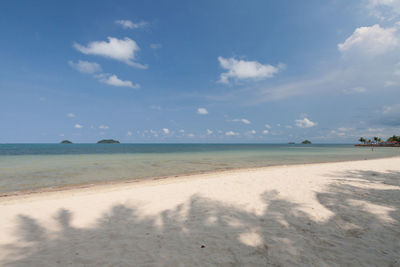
362, 140
377, 139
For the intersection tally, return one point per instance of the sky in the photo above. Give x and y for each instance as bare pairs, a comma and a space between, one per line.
199, 71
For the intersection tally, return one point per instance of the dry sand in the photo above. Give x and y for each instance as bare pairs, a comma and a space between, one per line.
333, 214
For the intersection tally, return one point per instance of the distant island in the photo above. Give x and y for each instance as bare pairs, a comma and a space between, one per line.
377, 141
108, 141
65, 142
306, 142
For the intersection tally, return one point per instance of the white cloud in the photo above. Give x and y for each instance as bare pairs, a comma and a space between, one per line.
62, 135
165, 130
245, 121
155, 46
305, 123
129, 133
123, 50
355, 90
190, 135
112, 79
231, 133
253, 132
71, 115
268, 126
209, 131
288, 127
265, 132
105, 127
181, 131
78, 126
370, 41
202, 111
246, 70
85, 66
128, 24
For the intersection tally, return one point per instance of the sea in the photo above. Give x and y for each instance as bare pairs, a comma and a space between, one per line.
31, 167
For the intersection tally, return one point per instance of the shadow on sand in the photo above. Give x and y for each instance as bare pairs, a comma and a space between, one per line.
208, 233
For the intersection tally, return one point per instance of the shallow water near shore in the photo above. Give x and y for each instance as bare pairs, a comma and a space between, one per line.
36, 166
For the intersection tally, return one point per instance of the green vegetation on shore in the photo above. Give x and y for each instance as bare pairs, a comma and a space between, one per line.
377, 140
306, 142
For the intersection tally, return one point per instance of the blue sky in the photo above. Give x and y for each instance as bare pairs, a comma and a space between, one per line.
199, 71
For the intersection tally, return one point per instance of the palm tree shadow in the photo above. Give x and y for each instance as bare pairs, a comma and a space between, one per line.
204, 232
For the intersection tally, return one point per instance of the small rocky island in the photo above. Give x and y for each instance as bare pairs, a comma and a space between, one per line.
108, 141
306, 142
65, 142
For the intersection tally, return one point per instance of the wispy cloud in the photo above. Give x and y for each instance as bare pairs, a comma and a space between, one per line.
128, 24
71, 115
85, 66
245, 121
384, 9
104, 127
355, 90
389, 115
155, 107
155, 46
123, 50
165, 130
78, 126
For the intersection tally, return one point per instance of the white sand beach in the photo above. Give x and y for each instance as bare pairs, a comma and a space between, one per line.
330, 214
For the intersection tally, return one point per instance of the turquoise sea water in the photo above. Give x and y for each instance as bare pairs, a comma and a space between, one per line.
35, 166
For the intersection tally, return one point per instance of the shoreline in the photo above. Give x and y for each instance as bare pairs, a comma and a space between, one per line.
9, 196
320, 214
